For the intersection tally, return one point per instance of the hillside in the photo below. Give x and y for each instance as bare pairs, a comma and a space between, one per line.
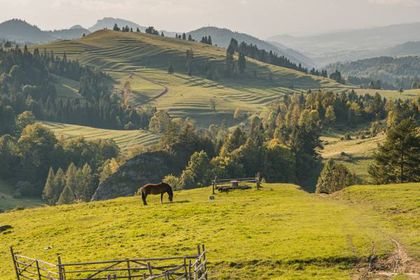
400, 72
22, 32
352, 44
288, 234
222, 36
143, 59
125, 139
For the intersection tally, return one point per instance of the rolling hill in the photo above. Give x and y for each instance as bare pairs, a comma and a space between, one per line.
279, 232
398, 72
20, 31
125, 139
222, 37
143, 59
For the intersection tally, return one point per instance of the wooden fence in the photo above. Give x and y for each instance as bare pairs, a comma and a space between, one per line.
216, 181
193, 267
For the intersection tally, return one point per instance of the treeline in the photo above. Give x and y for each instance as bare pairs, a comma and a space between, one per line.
27, 83
239, 153
382, 72
28, 150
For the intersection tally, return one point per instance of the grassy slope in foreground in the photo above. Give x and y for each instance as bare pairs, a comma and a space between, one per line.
279, 232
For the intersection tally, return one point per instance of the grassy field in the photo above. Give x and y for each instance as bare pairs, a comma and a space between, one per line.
7, 201
125, 139
143, 60
279, 232
356, 154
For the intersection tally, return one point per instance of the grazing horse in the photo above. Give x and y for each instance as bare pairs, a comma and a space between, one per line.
161, 189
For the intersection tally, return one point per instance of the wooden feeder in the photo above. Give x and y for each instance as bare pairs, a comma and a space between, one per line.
234, 184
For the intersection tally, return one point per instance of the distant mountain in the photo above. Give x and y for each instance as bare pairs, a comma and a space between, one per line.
68, 34
222, 37
351, 45
406, 49
22, 32
109, 22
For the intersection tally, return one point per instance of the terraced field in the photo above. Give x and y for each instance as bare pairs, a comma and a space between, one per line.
143, 59
125, 139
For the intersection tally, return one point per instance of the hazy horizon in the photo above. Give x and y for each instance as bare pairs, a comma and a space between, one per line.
260, 18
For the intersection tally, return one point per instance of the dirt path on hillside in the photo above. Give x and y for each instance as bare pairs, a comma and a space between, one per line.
398, 263
164, 92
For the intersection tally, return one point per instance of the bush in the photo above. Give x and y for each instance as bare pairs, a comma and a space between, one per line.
334, 177
173, 181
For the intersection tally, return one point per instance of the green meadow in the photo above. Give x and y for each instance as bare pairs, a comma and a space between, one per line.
279, 232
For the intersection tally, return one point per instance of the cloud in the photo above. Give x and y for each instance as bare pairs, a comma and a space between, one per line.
406, 3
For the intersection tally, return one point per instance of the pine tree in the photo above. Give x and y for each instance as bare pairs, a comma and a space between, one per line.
171, 69
116, 28
66, 197
241, 63
59, 184
334, 177
71, 179
89, 186
48, 192
398, 159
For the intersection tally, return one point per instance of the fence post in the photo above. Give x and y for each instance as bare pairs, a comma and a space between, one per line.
185, 268
150, 269
128, 269
14, 263
37, 270
189, 270
205, 261
60, 268
258, 180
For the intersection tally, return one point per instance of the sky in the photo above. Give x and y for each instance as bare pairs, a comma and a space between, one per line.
262, 18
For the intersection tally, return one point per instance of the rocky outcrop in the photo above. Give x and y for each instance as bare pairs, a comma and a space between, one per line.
150, 167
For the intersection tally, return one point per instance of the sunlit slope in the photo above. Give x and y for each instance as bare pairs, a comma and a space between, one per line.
125, 139
143, 60
278, 232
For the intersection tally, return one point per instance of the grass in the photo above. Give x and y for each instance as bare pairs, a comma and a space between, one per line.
399, 213
279, 232
125, 139
7, 201
355, 154
143, 60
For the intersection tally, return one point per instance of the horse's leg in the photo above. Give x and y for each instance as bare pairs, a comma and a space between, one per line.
161, 198
144, 196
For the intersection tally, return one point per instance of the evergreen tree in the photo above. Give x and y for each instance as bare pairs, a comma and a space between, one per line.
66, 197
116, 28
71, 179
334, 177
59, 184
48, 192
398, 159
171, 69
241, 63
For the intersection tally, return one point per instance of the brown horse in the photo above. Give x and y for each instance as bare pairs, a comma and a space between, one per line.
161, 189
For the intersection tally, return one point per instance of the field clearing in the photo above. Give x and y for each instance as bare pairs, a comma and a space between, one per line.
7, 201
391, 94
125, 139
279, 232
357, 152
